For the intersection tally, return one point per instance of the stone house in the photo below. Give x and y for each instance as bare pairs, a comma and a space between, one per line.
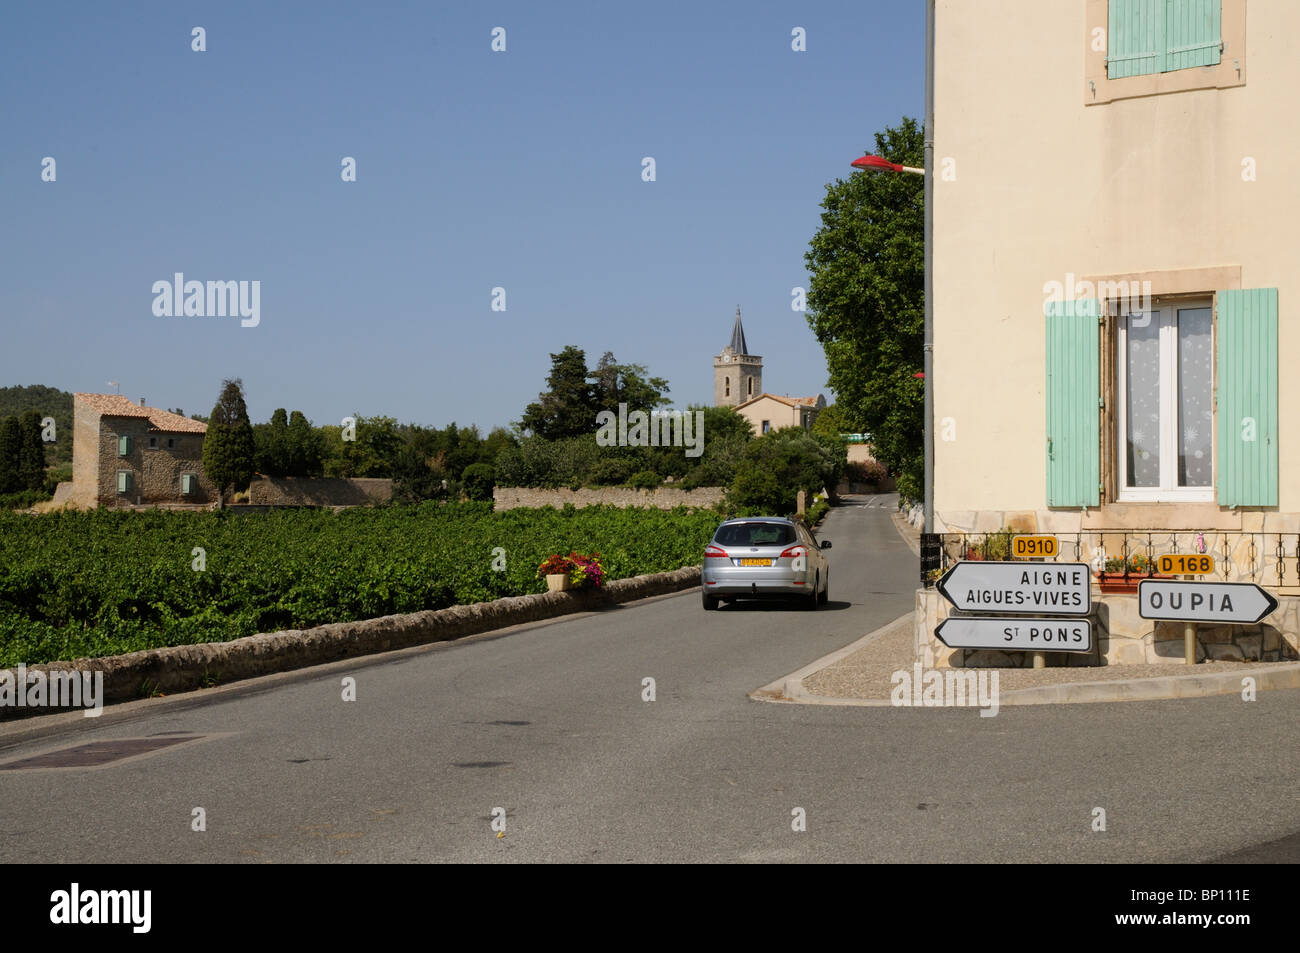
125, 453
1114, 208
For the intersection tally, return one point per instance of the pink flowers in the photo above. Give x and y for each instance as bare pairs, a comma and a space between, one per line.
584, 571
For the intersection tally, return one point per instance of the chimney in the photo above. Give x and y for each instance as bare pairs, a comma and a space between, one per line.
141, 401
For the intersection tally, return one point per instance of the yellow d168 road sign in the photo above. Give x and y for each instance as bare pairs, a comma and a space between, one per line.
1022, 546
1191, 564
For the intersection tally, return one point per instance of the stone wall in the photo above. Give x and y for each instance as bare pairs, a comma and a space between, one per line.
664, 498
156, 473
85, 456
319, 491
1121, 637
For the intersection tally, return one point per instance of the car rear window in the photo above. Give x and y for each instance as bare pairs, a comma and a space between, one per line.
755, 534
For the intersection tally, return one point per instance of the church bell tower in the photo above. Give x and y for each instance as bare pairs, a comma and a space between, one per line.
737, 374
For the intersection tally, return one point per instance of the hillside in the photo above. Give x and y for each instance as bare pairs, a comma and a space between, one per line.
51, 402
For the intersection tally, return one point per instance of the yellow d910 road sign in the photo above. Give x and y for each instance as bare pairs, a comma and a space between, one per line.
1033, 546
1193, 564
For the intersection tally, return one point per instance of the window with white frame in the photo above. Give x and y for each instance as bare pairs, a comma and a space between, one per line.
1165, 412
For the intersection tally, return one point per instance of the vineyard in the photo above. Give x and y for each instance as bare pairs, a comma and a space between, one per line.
99, 583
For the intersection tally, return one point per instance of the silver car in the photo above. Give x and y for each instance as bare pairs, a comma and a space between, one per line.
765, 557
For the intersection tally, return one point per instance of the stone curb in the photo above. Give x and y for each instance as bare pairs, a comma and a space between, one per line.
1159, 688
184, 667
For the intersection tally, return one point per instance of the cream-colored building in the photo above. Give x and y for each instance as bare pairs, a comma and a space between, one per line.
1116, 195
768, 412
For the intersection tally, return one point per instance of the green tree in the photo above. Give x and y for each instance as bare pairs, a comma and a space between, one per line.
31, 452
613, 383
866, 302
50, 402
417, 477
272, 442
372, 453
533, 461
305, 447
498, 439
776, 466
831, 422
478, 481
11, 443
726, 434
229, 450
568, 407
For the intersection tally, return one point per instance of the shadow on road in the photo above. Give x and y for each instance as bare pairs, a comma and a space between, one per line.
759, 605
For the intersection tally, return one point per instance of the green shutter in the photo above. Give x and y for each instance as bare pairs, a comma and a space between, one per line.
1155, 36
1073, 399
123, 482
1135, 42
1192, 33
124, 446
1246, 398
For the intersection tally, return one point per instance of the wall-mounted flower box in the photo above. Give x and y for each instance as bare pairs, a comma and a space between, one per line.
1115, 578
1118, 582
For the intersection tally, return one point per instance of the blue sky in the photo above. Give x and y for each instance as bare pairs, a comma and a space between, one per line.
475, 170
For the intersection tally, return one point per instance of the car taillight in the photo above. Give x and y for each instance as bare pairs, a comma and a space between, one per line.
796, 551
715, 552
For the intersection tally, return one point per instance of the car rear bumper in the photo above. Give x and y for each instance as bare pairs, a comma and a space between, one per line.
755, 583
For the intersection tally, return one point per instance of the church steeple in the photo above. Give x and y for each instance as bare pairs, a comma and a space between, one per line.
737, 374
738, 336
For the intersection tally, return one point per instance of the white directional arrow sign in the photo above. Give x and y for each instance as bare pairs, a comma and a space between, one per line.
1203, 601
1057, 588
1034, 635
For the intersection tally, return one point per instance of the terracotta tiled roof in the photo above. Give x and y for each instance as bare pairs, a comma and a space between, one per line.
115, 405
788, 401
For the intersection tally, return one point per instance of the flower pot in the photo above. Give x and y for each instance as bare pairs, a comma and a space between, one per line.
558, 582
1118, 583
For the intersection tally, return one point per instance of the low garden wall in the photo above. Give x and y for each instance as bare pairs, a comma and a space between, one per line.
185, 667
318, 491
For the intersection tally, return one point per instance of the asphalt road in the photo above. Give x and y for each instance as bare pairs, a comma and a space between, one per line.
548, 722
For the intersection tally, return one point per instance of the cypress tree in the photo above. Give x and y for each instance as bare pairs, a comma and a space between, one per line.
228, 448
11, 440
31, 452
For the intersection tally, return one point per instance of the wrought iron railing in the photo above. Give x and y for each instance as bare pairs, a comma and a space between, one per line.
1269, 559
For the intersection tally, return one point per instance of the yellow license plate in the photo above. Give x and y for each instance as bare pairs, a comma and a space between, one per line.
756, 562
